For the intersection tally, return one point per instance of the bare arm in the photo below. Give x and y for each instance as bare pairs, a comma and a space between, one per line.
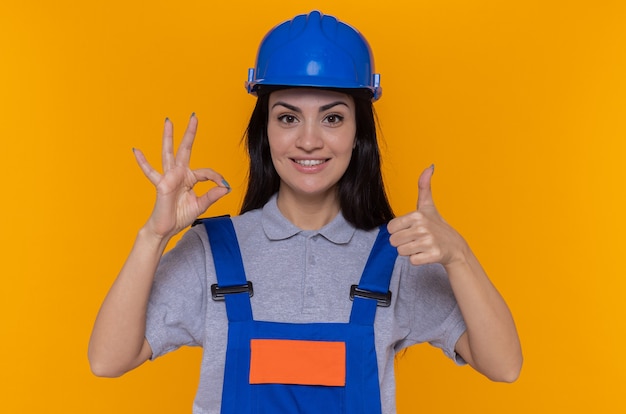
118, 342
490, 344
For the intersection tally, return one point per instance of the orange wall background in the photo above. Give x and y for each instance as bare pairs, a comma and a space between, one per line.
520, 104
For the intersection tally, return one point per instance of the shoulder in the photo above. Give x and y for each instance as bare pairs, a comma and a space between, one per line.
424, 275
243, 223
193, 240
426, 306
247, 220
425, 288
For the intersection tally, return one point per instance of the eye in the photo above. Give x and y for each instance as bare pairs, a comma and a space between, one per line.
333, 119
287, 119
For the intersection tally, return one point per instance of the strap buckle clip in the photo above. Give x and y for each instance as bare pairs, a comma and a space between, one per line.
383, 299
219, 293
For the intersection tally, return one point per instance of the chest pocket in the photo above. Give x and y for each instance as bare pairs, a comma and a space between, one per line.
285, 361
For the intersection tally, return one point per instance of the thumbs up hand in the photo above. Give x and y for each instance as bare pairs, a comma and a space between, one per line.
423, 235
490, 344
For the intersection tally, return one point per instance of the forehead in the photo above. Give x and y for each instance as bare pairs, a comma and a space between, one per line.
309, 96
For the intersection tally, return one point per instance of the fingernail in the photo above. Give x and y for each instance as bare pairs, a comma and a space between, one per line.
226, 184
133, 150
432, 166
193, 114
167, 119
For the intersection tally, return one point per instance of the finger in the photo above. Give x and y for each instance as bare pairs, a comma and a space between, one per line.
393, 226
214, 194
424, 196
423, 258
399, 224
145, 166
207, 199
420, 251
167, 150
421, 245
183, 155
207, 174
410, 248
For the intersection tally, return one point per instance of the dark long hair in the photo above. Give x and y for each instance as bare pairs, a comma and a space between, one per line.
362, 197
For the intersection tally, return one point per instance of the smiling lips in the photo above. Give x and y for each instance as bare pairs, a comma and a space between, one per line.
309, 163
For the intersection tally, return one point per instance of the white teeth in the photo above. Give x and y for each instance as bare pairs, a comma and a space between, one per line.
309, 163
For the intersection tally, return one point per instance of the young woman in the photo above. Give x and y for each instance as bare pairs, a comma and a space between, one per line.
302, 301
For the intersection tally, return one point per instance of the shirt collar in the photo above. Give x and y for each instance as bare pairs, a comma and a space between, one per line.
277, 227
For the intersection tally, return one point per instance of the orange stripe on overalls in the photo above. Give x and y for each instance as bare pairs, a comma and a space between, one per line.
286, 361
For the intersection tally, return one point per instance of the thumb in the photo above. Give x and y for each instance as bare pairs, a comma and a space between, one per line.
424, 195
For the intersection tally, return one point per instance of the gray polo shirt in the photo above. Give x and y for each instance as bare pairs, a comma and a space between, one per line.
299, 277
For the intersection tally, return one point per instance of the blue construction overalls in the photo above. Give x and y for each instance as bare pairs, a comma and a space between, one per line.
311, 368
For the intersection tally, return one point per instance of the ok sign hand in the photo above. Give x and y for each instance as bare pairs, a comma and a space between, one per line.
177, 205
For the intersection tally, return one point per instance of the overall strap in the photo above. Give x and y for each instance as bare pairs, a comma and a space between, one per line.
373, 288
232, 286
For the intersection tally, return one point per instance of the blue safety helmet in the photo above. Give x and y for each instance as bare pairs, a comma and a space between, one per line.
314, 50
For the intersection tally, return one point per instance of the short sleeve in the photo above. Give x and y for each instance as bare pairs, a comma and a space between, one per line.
430, 311
177, 304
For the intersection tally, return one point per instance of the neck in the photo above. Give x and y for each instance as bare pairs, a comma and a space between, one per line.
308, 213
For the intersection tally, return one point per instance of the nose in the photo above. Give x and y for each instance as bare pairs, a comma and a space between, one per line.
310, 138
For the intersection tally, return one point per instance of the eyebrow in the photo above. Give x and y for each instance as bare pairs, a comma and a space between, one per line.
296, 109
